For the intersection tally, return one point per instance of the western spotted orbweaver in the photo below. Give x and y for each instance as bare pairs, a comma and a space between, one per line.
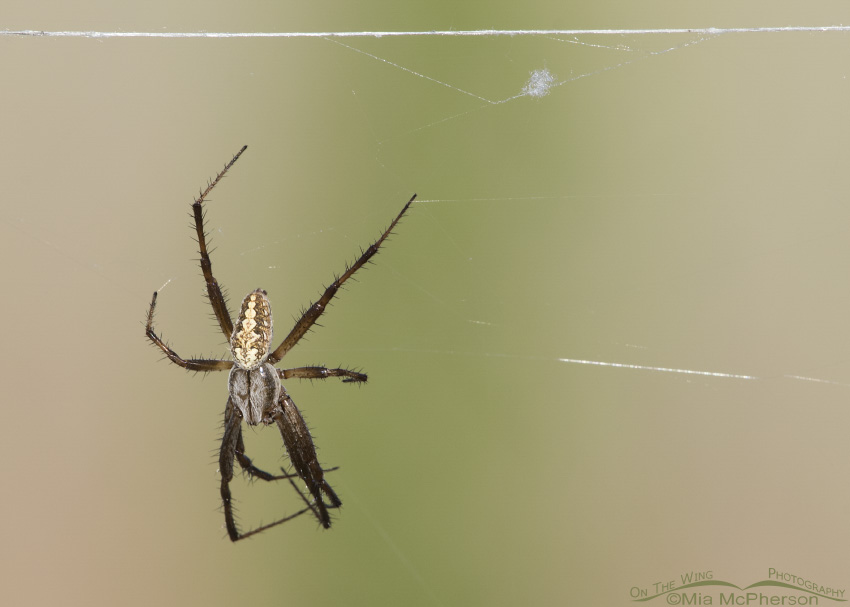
255, 391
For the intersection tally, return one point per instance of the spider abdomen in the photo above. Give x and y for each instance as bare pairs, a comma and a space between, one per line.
255, 392
250, 343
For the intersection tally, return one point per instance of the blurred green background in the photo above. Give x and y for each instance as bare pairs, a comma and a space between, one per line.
675, 202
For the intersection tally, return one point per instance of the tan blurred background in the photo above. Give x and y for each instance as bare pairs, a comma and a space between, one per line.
675, 202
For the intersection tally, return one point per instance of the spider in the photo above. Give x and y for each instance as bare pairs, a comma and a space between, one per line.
254, 385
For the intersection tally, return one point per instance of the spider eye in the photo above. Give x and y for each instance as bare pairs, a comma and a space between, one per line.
252, 333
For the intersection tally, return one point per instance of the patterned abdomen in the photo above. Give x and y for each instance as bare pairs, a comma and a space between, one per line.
251, 341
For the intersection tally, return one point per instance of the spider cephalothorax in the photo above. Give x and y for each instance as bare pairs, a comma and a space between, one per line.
255, 391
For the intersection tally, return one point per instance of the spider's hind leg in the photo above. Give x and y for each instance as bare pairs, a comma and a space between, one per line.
214, 291
312, 314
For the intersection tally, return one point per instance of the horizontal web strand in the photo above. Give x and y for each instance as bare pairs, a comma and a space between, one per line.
710, 31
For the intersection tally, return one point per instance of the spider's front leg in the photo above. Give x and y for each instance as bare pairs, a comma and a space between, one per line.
254, 472
249, 467
232, 448
302, 454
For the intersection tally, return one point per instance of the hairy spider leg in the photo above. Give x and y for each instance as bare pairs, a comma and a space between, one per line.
296, 436
302, 454
312, 314
214, 292
203, 365
322, 373
232, 447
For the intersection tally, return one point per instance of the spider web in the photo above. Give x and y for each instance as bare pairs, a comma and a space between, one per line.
631, 234
588, 54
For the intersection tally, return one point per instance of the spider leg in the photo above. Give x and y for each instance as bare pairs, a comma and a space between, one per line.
214, 293
312, 314
232, 426
322, 373
302, 454
230, 443
192, 364
249, 467
255, 472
